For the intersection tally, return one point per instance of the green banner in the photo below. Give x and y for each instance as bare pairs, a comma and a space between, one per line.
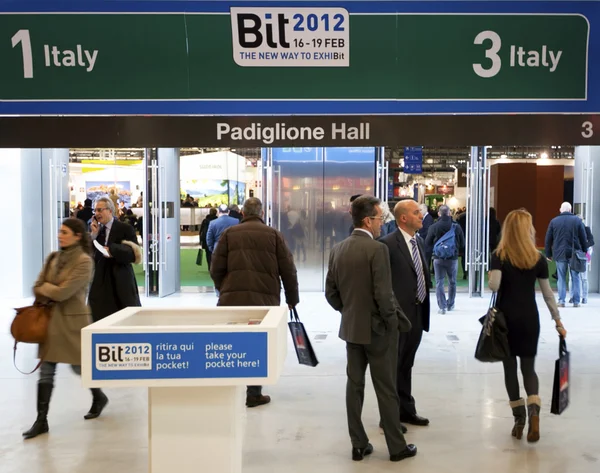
190, 56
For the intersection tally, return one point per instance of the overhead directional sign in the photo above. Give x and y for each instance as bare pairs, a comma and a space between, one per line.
355, 57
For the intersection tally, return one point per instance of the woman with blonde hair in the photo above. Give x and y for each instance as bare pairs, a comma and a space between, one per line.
64, 283
516, 265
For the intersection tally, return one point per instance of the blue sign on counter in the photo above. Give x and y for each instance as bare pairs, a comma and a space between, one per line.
179, 355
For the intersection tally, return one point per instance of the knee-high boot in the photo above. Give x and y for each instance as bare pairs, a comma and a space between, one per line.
534, 404
40, 426
99, 402
520, 415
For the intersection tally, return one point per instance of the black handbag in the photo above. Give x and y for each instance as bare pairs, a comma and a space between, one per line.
304, 350
493, 340
560, 388
578, 262
199, 257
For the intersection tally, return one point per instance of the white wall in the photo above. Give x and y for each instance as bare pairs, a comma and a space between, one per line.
11, 271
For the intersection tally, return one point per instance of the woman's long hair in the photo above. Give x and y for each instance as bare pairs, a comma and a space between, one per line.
517, 244
78, 228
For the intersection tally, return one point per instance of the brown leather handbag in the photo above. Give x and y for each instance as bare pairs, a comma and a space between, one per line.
30, 325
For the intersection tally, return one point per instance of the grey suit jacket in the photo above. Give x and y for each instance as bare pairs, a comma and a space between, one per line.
359, 285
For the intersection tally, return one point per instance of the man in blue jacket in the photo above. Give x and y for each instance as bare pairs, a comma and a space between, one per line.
218, 226
565, 234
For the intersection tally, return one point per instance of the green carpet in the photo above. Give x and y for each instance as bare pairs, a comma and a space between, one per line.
198, 276
191, 275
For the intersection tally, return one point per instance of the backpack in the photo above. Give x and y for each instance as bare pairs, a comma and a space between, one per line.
445, 247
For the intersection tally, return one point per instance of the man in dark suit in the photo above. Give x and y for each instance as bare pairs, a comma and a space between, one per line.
114, 286
411, 282
359, 286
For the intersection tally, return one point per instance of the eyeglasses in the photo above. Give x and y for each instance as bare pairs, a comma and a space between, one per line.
377, 218
100, 209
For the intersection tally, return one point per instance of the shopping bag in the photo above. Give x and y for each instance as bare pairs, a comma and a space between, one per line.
304, 350
199, 257
493, 340
560, 388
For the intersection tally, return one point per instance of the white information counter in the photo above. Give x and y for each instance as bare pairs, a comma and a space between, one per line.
196, 364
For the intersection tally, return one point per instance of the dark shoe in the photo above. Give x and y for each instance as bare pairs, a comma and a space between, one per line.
359, 453
98, 404
561, 305
571, 300
520, 415
255, 401
40, 426
402, 427
450, 308
415, 420
584, 301
408, 452
533, 408
575, 305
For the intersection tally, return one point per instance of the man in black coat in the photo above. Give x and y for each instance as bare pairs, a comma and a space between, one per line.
114, 286
411, 282
86, 213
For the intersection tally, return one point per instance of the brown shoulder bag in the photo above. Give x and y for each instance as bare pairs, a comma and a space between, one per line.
30, 325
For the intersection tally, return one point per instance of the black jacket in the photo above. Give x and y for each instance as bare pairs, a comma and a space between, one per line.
439, 229
404, 276
114, 286
85, 214
589, 236
565, 232
204, 230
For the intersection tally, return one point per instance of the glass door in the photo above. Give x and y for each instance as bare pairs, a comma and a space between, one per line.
56, 202
306, 197
162, 222
477, 237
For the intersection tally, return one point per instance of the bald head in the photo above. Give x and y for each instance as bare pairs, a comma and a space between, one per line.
565, 207
408, 216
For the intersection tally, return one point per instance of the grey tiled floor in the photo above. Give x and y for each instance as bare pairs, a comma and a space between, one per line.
304, 428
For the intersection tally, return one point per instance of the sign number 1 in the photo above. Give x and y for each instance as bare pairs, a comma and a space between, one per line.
22, 37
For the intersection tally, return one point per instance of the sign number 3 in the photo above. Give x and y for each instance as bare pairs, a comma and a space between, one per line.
588, 129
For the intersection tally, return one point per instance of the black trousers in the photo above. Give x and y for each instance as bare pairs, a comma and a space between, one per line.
407, 351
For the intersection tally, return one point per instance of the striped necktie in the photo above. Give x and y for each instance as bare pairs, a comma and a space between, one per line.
421, 288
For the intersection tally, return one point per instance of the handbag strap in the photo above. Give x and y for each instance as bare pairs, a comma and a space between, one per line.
294, 315
15, 362
493, 300
562, 346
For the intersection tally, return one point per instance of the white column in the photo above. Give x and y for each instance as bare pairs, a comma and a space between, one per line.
194, 429
587, 172
21, 210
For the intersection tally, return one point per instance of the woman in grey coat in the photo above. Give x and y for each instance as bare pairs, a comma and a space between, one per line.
64, 282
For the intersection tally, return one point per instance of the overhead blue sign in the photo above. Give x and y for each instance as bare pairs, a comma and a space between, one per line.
413, 160
179, 355
334, 155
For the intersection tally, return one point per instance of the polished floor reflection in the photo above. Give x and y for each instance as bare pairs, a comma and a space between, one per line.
304, 428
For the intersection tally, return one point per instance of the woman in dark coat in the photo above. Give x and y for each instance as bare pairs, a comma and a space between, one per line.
516, 265
64, 281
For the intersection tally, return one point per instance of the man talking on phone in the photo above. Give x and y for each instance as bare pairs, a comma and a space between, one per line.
114, 286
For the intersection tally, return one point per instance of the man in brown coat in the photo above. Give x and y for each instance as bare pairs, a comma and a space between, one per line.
248, 266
